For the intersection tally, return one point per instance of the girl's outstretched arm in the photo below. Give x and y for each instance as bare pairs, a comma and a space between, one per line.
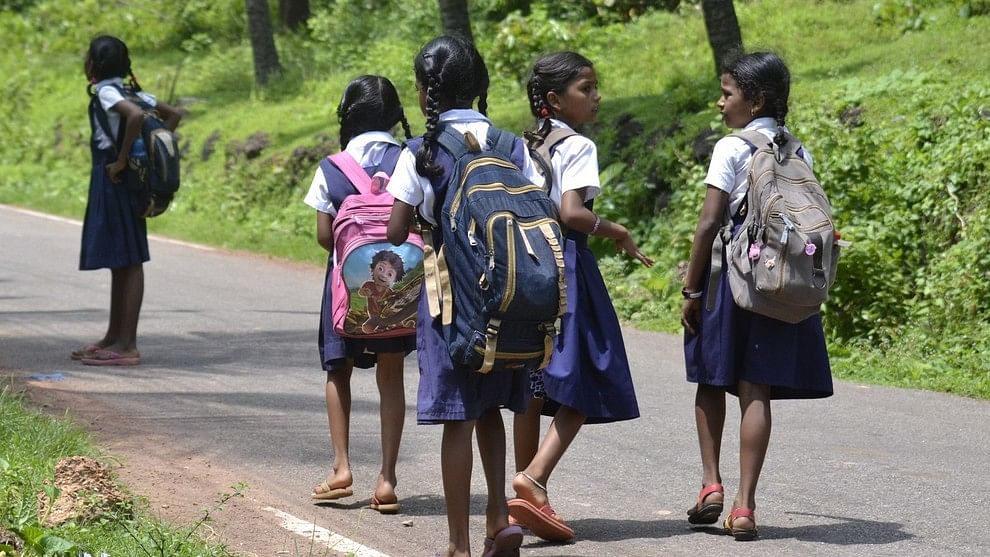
576, 216
324, 230
709, 222
399, 222
133, 116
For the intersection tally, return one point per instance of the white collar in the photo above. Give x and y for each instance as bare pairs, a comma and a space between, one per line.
762, 123
463, 115
359, 141
560, 124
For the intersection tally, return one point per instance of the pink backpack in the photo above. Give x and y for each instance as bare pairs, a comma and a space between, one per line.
375, 285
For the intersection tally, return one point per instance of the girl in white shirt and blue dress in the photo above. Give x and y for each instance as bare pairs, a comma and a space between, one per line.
729, 349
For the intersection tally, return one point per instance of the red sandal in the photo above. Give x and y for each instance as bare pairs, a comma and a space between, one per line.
741, 534
706, 513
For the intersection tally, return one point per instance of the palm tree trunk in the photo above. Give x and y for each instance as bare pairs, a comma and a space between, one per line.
723, 30
455, 19
266, 62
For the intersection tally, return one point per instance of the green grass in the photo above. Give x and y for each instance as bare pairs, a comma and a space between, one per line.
659, 91
30, 447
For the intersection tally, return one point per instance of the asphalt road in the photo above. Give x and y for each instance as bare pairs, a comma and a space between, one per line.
230, 373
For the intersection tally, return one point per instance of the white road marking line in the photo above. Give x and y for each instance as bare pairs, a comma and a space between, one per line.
79, 223
333, 540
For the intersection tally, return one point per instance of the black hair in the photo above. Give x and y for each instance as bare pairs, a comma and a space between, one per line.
552, 72
393, 259
454, 74
764, 75
369, 103
108, 58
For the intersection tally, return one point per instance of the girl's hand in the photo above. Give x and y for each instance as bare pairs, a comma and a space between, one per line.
115, 169
691, 315
627, 245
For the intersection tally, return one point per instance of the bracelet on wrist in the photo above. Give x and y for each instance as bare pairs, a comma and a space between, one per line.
598, 223
691, 295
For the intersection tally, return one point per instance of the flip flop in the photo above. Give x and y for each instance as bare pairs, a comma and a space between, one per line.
85, 351
110, 358
741, 534
542, 522
506, 543
384, 508
328, 493
706, 513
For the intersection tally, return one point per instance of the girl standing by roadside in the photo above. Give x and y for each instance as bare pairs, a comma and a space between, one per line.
113, 235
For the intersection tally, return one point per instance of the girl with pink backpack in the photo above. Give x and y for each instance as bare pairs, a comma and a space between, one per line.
363, 277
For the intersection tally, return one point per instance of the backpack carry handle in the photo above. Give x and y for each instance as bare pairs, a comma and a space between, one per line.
354, 172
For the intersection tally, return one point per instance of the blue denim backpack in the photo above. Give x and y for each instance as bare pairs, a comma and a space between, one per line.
497, 282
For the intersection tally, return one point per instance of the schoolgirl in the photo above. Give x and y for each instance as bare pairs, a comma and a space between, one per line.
369, 109
726, 348
113, 236
450, 75
588, 379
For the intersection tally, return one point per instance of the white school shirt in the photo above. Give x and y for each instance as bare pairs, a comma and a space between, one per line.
729, 169
368, 149
574, 164
409, 187
110, 96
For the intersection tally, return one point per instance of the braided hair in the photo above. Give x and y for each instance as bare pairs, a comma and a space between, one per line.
108, 57
454, 74
552, 73
369, 103
764, 75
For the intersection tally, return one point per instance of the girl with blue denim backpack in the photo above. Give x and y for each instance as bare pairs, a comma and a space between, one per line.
369, 109
113, 235
588, 379
727, 348
450, 75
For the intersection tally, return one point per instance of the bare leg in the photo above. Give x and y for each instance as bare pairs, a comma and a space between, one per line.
126, 296
754, 437
491, 446
526, 433
709, 416
456, 460
392, 412
562, 431
338, 394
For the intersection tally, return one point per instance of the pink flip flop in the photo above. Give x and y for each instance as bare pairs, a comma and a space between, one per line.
110, 358
506, 543
542, 522
85, 351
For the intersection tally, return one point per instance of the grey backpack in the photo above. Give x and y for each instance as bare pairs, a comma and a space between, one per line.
783, 260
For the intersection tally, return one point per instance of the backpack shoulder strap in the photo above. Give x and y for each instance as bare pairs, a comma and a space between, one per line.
755, 139
453, 142
353, 171
391, 158
500, 141
541, 149
96, 110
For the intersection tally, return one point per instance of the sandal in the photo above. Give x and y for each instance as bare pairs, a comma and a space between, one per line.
741, 534
706, 513
324, 492
384, 508
506, 543
85, 352
543, 521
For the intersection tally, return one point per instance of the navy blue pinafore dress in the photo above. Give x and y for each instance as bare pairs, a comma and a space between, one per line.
335, 349
113, 236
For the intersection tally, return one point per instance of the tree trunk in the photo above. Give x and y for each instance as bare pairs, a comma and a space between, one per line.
454, 15
723, 30
262, 41
294, 13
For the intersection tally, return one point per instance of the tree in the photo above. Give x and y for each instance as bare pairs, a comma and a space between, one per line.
294, 13
266, 62
455, 19
723, 30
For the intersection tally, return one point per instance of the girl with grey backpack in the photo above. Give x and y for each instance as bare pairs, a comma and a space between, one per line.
737, 338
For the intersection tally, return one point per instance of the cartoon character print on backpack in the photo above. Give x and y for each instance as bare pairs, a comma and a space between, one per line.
390, 296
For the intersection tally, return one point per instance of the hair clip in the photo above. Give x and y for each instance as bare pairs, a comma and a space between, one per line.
544, 112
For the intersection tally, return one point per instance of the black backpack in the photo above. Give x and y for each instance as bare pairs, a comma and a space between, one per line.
153, 178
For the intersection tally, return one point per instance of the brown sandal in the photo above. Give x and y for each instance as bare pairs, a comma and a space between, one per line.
741, 534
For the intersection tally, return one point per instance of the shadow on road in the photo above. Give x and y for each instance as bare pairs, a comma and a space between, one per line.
848, 531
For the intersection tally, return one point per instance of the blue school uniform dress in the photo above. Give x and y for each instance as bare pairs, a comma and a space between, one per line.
448, 392
112, 236
733, 343
374, 151
589, 370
